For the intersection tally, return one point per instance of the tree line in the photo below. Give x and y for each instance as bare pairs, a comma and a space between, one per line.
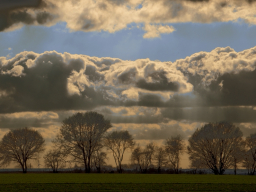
84, 136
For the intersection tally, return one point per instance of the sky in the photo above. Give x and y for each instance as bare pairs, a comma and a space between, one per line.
155, 68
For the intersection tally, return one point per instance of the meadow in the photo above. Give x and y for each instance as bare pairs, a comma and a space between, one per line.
124, 182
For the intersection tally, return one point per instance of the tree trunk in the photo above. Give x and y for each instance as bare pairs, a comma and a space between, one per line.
85, 162
235, 167
98, 169
120, 168
24, 168
215, 171
159, 169
89, 163
88, 169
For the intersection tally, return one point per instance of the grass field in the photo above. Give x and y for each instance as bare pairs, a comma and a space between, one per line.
124, 182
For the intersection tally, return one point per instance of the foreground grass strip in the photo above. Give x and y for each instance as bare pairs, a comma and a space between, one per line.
11, 178
127, 187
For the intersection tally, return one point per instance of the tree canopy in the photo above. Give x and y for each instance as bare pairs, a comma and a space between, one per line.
81, 134
118, 142
213, 145
21, 145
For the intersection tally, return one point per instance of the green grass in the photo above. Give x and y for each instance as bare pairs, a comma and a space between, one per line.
122, 178
126, 187
124, 182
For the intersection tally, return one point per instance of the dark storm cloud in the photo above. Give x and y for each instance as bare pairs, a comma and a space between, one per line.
127, 76
92, 73
19, 123
150, 101
211, 114
28, 119
251, 1
229, 89
16, 11
147, 100
53, 81
161, 83
140, 115
237, 89
8, 5
138, 119
42, 86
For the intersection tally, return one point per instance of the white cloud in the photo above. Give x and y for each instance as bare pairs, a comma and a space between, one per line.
155, 16
219, 61
153, 31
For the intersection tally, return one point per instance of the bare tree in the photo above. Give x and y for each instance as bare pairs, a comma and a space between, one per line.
197, 164
21, 145
250, 155
213, 145
143, 157
81, 134
249, 163
118, 142
238, 155
160, 157
55, 159
136, 157
174, 147
99, 159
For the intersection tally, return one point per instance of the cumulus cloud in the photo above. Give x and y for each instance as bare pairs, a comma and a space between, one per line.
54, 81
221, 77
206, 86
112, 15
15, 13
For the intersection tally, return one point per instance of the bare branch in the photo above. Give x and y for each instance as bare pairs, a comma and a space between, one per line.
19, 146
214, 146
118, 142
81, 135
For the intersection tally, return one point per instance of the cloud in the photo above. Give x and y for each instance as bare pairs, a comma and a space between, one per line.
221, 77
16, 4
28, 119
43, 85
206, 86
112, 15
153, 31
14, 14
161, 83
54, 81
160, 131
240, 114
137, 115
